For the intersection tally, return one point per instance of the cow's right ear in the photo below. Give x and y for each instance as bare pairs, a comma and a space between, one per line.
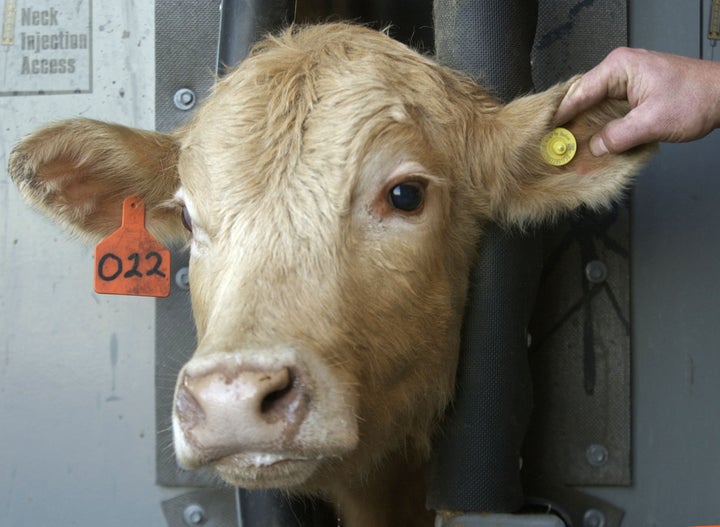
78, 172
519, 186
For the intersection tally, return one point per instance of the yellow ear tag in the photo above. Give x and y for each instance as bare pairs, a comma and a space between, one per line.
558, 147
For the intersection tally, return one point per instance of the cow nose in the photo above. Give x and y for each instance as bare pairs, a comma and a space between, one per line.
226, 411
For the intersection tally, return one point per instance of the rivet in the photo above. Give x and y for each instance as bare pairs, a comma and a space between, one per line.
596, 272
193, 515
184, 99
182, 278
597, 455
593, 518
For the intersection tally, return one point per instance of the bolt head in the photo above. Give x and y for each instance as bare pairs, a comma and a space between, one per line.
597, 455
593, 518
182, 278
194, 515
184, 99
596, 272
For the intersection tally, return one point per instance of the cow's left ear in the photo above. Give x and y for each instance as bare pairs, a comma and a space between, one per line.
78, 172
524, 188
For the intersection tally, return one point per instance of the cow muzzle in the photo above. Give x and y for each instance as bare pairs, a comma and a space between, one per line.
262, 418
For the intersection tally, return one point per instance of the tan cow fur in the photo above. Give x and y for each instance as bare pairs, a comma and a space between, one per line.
285, 170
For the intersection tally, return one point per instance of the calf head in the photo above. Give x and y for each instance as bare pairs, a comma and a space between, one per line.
332, 190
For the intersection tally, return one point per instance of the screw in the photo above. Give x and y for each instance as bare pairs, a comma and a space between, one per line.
597, 455
593, 518
596, 272
194, 514
182, 278
184, 99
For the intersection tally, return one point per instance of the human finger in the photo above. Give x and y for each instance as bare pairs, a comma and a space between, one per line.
636, 128
606, 80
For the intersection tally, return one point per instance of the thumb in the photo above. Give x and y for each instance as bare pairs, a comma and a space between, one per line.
623, 134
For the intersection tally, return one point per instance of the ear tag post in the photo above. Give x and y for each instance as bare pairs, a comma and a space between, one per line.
558, 147
131, 261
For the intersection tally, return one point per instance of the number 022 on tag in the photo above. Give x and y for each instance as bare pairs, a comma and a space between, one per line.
131, 261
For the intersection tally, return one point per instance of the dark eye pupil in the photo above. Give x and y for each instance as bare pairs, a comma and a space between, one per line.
186, 219
407, 196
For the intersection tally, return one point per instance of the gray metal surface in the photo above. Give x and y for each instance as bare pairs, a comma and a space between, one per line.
580, 355
676, 307
575, 507
186, 34
77, 439
502, 520
205, 507
47, 49
580, 349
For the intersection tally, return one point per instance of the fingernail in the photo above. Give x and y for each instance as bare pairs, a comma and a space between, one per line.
560, 114
572, 88
597, 146
560, 118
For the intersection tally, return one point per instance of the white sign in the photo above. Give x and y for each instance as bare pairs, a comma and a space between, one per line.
46, 47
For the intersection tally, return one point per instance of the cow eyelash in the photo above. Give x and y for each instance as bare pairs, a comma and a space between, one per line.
186, 219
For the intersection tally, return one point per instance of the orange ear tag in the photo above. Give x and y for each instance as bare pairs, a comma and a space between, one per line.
131, 261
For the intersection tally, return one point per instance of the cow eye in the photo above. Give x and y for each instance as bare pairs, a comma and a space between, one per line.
186, 219
408, 196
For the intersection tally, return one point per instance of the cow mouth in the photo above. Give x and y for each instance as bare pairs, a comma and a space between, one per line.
273, 421
260, 469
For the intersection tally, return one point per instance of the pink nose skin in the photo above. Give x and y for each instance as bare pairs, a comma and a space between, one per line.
232, 409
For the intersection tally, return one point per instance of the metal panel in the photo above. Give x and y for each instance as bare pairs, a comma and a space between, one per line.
76, 379
580, 355
186, 34
206, 507
580, 346
504, 520
676, 307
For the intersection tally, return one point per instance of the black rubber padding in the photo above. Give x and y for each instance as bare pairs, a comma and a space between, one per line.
475, 464
244, 22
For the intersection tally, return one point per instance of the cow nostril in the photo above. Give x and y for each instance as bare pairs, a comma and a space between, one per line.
188, 409
229, 409
279, 403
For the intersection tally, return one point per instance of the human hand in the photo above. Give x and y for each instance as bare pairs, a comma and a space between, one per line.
672, 98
